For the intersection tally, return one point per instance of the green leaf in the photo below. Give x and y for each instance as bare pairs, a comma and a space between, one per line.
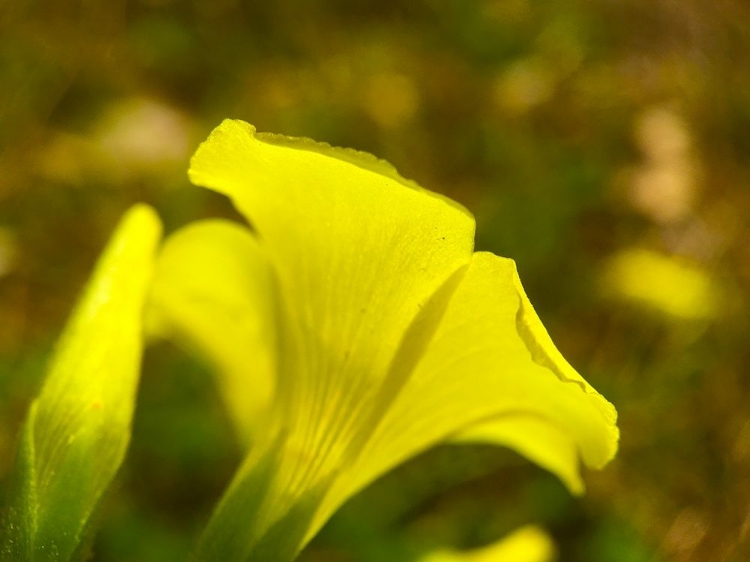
78, 428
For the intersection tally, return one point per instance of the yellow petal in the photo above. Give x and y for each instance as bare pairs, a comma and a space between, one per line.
490, 360
213, 290
543, 443
357, 252
527, 544
78, 428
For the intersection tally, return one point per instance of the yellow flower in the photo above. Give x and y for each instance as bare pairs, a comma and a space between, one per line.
353, 328
670, 285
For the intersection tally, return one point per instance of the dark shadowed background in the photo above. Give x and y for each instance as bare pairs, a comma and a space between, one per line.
605, 146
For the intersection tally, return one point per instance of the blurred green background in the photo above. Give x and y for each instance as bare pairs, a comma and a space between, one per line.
605, 146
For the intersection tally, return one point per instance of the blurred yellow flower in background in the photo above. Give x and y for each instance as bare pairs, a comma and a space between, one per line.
668, 285
527, 544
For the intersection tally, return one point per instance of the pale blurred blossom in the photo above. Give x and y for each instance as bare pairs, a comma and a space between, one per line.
664, 185
133, 137
686, 532
145, 133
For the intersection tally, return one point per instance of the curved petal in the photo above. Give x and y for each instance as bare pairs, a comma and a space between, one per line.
78, 428
358, 252
214, 291
540, 441
490, 360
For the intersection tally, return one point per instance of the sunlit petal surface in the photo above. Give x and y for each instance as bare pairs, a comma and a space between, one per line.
78, 428
392, 337
491, 367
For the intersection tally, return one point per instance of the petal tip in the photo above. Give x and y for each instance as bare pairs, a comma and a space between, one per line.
228, 146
